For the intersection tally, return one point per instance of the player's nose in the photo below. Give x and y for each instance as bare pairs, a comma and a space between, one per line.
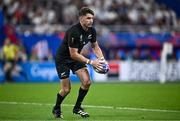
91, 20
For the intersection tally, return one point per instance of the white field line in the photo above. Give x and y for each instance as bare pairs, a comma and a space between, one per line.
82, 120
92, 106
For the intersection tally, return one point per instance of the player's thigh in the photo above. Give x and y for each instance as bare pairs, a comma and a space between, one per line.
83, 74
63, 70
65, 84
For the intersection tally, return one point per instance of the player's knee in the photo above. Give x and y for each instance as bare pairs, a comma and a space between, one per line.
87, 83
66, 91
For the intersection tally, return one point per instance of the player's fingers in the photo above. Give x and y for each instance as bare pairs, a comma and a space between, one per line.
102, 61
99, 67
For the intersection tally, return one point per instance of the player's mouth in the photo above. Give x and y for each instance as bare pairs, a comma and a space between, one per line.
90, 25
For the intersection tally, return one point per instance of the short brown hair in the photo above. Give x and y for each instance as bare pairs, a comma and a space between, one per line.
85, 10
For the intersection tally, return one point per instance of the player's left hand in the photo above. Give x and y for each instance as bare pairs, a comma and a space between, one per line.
103, 61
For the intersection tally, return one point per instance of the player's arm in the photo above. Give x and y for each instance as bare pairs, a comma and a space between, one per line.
73, 42
97, 50
76, 56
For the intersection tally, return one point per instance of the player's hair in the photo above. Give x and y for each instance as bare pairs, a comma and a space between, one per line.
85, 10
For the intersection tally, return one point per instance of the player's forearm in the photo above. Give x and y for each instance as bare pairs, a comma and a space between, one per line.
80, 58
98, 52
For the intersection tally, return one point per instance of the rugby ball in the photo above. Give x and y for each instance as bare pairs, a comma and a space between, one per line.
104, 69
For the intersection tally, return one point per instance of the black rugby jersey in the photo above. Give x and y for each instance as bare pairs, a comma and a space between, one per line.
75, 37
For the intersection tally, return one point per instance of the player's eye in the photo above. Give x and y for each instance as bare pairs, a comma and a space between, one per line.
89, 17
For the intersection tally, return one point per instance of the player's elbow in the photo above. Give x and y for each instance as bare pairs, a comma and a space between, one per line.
73, 56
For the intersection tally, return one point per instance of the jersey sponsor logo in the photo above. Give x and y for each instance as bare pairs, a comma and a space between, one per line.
90, 36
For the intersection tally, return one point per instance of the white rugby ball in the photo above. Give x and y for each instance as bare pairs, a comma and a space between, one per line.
104, 69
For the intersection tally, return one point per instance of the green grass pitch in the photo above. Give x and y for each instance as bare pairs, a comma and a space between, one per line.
104, 102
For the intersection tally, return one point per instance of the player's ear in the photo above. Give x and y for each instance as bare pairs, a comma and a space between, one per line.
80, 18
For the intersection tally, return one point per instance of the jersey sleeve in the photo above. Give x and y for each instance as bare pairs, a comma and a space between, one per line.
73, 40
93, 35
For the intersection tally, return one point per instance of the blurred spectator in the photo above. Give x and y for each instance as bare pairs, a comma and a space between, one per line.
70, 13
120, 55
145, 55
42, 27
11, 34
155, 55
9, 53
41, 51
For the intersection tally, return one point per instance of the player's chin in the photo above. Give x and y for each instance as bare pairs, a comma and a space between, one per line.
89, 25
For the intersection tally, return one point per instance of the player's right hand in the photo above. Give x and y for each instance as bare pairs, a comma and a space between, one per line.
97, 64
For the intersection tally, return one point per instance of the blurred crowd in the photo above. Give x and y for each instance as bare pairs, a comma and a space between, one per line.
41, 15
50, 16
13, 54
108, 12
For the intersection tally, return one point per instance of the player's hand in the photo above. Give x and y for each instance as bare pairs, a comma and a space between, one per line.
97, 64
103, 61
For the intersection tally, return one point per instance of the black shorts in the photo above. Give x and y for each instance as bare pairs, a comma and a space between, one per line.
63, 68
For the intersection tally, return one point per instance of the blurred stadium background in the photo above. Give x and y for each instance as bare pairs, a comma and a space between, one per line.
131, 34
139, 38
